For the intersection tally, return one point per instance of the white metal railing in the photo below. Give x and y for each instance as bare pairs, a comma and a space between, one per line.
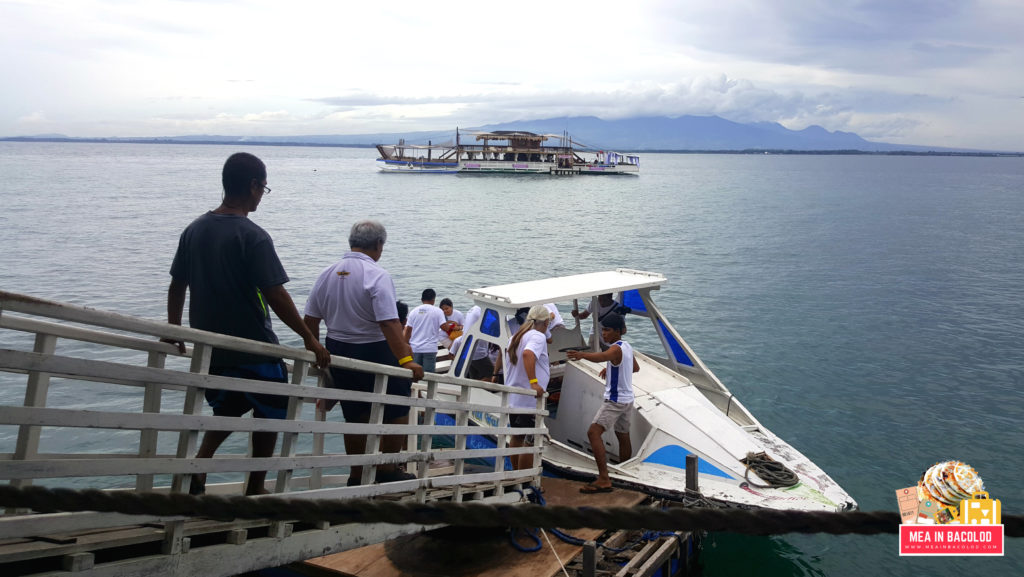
36, 352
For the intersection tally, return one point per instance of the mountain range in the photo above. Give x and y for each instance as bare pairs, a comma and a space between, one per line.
683, 133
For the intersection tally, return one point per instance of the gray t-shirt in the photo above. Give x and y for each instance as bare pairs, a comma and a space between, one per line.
226, 260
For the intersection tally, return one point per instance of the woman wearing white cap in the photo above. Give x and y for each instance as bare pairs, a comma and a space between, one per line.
527, 366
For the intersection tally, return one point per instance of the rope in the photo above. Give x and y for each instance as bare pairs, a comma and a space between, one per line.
555, 553
772, 471
337, 511
537, 497
531, 533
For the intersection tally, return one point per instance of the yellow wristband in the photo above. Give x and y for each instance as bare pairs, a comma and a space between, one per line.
533, 381
404, 360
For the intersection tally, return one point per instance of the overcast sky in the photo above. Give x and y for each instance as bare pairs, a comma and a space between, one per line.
930, 72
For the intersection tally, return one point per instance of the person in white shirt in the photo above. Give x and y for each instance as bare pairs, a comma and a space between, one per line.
556, 317
355, 297
618, 398
527, 366
423, 330
451, 313
481, 365
606, 305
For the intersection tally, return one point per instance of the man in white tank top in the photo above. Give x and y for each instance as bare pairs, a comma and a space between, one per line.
618, 398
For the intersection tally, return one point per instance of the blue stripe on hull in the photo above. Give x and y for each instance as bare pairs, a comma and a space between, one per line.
675, 456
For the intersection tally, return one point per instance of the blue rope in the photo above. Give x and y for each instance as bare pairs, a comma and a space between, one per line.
536, 497
531, 533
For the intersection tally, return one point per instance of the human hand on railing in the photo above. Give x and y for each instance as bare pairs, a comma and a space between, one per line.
323, 357
417, 370
325, 405
179, 344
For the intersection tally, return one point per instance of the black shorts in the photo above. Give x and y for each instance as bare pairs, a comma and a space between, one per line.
236, 403
378, 352
522, 421
480, 369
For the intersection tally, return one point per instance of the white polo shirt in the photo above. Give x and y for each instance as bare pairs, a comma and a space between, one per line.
457, 317
472, 319
425, 322
557, 320
515, 375
352, 296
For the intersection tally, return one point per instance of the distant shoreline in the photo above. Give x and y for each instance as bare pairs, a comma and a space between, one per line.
759, 151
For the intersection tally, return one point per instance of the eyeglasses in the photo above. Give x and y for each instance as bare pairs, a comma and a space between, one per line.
266, 189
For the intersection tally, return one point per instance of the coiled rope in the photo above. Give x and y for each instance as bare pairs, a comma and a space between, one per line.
337, 511
770, 470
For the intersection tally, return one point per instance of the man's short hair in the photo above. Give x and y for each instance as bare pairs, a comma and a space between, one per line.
367, 234
240, 169
403, 311
446, 302
614, 321
428, 295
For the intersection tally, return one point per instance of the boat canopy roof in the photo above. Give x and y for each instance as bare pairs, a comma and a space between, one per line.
511, 135
561, 289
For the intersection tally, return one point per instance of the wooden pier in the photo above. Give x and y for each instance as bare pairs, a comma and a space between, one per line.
489, 553
92, 399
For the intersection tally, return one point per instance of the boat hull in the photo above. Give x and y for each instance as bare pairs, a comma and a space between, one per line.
417, 167
500, 167
672, 419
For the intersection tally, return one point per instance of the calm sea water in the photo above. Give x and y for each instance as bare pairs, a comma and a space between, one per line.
867, 309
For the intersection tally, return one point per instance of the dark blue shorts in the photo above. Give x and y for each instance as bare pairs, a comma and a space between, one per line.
378, 352
236, 404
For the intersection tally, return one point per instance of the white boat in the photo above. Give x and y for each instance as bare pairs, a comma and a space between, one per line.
681, 407
505, 152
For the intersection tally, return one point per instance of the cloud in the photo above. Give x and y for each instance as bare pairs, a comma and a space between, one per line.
36, 117
261, 66
740, 100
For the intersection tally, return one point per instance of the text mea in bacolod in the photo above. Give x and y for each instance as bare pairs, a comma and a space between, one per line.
949, 512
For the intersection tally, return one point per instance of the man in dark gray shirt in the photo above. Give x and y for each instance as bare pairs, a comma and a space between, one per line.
228, 265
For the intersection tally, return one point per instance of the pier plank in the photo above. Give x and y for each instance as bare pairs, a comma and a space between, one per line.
474, 552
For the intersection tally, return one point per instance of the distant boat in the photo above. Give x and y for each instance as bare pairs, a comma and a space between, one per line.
505, 152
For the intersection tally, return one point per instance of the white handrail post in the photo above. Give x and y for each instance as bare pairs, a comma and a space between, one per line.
538, 439
316, 476
150, 404
426, 442
288, 440
36, 390
380, 387
461, 420
501, 441
201, 354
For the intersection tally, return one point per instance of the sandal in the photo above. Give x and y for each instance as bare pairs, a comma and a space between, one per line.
591, 489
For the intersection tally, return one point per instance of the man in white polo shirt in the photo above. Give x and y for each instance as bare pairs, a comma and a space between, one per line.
355, 297
423, 330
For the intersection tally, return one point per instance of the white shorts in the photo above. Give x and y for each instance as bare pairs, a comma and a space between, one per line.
614, 415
